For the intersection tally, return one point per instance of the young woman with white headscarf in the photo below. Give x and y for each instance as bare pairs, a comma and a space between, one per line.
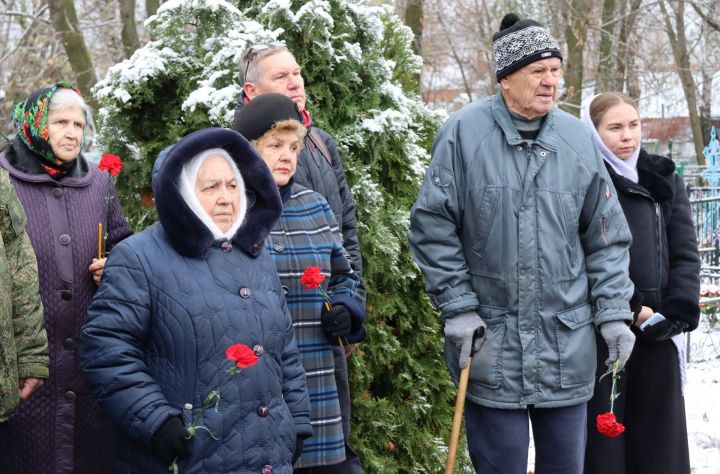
664, 266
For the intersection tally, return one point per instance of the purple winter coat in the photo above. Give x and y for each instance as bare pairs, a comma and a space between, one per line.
61, 429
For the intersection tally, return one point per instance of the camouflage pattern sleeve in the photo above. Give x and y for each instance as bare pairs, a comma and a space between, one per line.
27, 312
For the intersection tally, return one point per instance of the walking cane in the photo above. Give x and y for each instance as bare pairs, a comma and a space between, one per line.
459, 407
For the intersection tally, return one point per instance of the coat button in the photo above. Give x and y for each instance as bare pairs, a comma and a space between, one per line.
69, 344
285, 289
263, 411
57, 193
226, 246
258, 350
245, 292
69, 396
66, 295
267, 469
279, 247
64, 239
543, 153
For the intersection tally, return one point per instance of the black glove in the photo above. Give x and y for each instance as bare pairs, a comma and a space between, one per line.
170, 441
336, 322
663, 330
299, 441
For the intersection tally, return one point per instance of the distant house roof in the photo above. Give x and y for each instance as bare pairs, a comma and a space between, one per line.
676, 129
664, 129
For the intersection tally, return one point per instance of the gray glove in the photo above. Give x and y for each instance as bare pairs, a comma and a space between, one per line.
461, 329
620, 341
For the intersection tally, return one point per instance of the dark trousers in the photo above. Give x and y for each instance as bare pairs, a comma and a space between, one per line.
351, 464
6, 455
498, 440
652, 408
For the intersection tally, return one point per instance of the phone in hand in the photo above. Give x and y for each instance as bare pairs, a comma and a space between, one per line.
654, 319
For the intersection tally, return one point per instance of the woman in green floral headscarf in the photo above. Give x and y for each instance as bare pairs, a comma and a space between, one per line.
61, 429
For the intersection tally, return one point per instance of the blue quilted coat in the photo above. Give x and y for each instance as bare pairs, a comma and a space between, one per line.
171, 301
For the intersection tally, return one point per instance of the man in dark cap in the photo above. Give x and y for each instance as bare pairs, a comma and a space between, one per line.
520, 236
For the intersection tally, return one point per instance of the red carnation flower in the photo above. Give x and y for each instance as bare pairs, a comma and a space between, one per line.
312, 278
111, 163
242, 355
609, 426
606, 423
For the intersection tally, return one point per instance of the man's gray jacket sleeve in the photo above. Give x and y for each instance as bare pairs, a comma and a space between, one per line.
434, 236
606, 240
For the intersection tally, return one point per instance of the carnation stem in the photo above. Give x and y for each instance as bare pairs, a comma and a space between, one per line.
173, 466
613, 389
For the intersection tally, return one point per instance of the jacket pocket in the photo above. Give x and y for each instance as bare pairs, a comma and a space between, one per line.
487, 362
483, 215
575, 337
561, 256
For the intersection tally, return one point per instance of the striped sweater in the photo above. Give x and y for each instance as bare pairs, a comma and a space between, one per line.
307, 235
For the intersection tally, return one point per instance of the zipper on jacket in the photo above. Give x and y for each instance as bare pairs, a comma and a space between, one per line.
658, 231
603, 230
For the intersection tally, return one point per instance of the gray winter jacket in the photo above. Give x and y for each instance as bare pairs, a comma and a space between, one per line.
534, 240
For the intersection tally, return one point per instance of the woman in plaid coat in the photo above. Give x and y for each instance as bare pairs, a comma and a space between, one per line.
307, 235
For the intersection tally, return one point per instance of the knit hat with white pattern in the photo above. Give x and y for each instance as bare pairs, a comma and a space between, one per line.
521, 42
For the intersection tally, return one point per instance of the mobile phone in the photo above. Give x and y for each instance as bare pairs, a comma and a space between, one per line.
654, 319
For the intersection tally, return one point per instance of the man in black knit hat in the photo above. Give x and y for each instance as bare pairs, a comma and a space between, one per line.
521, 238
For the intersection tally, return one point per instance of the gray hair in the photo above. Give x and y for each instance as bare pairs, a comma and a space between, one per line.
65, 98
248, 67
186, 185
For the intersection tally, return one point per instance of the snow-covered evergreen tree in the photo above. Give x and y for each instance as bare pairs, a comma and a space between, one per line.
358, 68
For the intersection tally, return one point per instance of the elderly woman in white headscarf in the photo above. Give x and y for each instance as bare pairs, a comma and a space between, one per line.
174, 298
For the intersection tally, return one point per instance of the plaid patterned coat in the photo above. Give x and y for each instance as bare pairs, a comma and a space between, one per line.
306, 235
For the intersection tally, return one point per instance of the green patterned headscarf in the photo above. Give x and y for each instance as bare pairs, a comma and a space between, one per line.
31, 122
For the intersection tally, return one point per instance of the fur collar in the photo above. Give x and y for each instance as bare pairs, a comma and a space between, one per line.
185, 230
655, 175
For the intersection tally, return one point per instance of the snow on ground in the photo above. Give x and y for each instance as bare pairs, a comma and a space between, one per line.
702, 400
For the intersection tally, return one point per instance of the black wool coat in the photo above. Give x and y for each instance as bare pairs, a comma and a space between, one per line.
664, 258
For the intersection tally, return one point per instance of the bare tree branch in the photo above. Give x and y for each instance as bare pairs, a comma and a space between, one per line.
28, 31
32, 16
711, 23
129, 32
678, 43
65, 21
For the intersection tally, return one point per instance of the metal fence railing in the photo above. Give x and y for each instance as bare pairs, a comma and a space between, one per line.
705, 207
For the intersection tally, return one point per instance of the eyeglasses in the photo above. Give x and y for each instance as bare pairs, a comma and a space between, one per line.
252, 53
539, 73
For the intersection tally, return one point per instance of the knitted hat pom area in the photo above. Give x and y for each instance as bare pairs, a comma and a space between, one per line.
521, 42
508, 20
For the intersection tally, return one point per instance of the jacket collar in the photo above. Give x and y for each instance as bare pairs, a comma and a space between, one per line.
21, 165
546, 136
184, 229
655, 177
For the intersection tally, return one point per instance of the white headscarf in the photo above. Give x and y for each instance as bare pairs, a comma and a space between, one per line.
188, 176
626, 168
